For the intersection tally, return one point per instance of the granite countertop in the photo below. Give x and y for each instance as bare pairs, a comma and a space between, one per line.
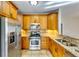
68, 48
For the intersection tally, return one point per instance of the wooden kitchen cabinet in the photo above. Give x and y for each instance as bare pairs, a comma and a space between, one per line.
26, 22
35, 19
7, 9
61, 51
43, 22
0, 7
44, 43
55, 49
25, 43
13, 11
28, 19
52, 22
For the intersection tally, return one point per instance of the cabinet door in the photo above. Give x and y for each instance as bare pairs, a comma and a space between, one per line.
26, 22
34, 19
61, 51
7, 11
54, 49
25, 43
43, 22
58, 51
6, 8
44, 43
50, 44
0, 7
13, 11
52, 22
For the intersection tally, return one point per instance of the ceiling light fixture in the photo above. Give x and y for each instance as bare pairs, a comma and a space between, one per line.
33, 3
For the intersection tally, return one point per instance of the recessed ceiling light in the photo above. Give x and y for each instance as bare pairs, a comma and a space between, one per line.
33, 3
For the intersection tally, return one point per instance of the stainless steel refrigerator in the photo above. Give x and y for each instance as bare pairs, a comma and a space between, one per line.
10, 38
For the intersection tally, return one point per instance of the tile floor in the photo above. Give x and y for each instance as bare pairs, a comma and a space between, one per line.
40, 53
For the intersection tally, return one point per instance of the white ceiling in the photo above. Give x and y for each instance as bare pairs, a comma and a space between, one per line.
41, 8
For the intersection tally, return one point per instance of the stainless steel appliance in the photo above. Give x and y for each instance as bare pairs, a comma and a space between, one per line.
9, 36
34, 36
4, 37
35, 27
34, 43
14, 45
11, 44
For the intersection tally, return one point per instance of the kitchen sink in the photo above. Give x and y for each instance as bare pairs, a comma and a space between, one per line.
66, 43
61, 40
71, 44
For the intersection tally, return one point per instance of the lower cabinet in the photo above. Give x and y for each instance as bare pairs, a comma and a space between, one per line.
25, 43
44, 43
61, 51
55, 49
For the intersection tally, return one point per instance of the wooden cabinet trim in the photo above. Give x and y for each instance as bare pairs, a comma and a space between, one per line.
13, 4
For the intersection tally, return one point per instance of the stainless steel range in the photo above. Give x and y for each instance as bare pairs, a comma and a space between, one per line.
34, 36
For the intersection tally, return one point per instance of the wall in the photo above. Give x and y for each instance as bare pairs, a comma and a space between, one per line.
69, 17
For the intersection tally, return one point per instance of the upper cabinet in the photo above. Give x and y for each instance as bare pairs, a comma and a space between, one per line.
42, 19
13, 11
0, 8
8, 9
43, 22
5, 8
28, 19
52, 22
34, 19
26, 22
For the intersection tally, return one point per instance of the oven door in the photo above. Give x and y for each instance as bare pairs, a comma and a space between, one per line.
34, 44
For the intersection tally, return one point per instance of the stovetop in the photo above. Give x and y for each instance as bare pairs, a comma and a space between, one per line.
35, 35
